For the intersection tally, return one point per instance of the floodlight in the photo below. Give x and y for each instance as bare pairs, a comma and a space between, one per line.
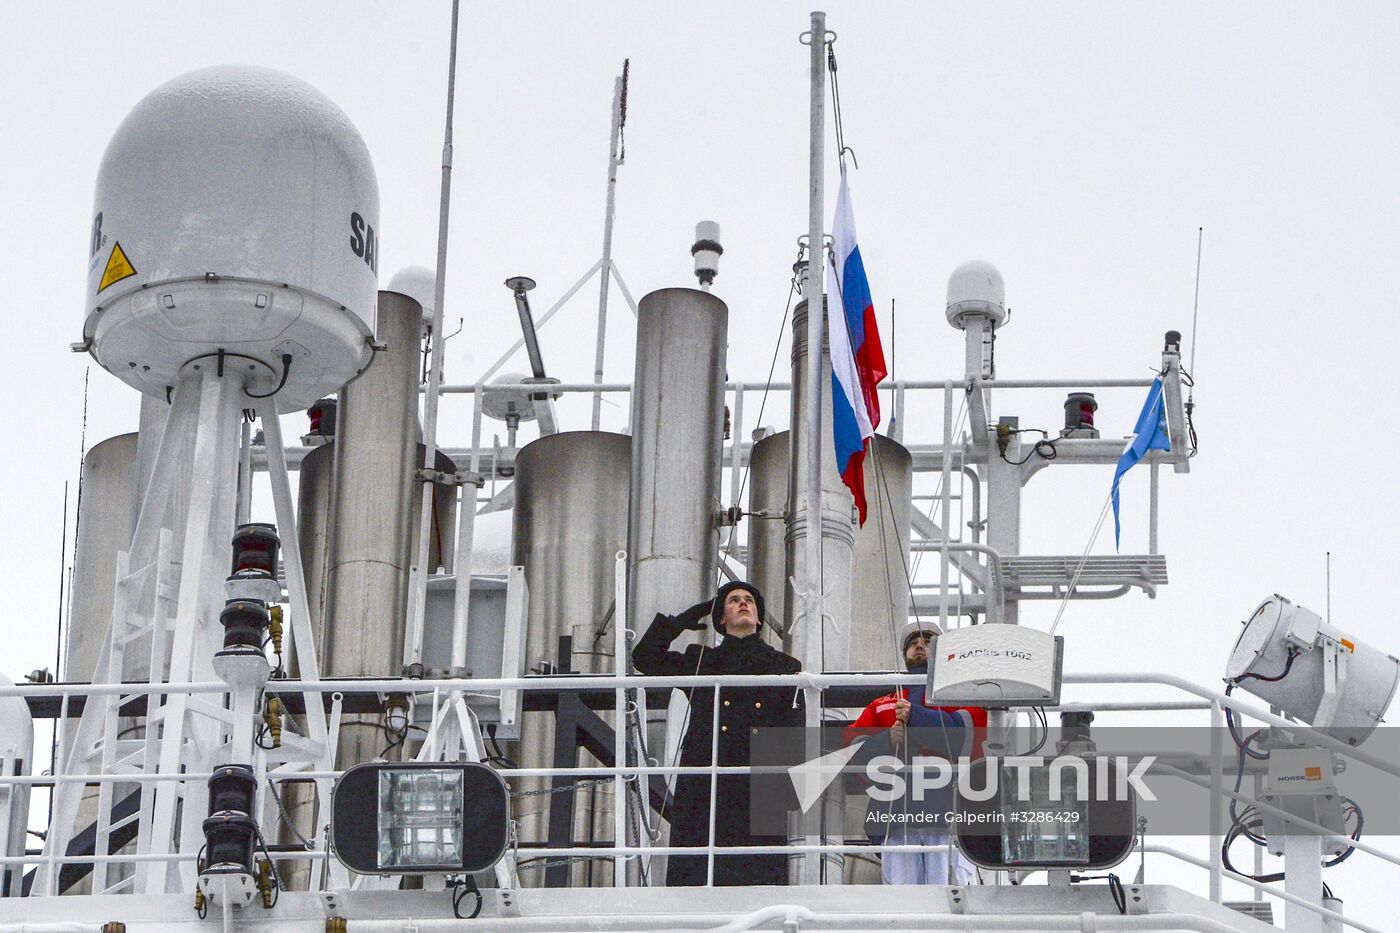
1076, 811
419, 818
1291, 659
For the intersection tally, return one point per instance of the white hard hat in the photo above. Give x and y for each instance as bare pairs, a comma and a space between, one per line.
916, 627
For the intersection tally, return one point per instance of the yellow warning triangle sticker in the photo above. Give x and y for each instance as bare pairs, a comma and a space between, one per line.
118, 268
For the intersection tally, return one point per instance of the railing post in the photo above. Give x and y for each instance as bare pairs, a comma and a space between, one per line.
945, 506
1217, 778
736, 452
620, 801
714, 788
898, 433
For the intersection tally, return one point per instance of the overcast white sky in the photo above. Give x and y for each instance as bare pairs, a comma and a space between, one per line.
1077, 146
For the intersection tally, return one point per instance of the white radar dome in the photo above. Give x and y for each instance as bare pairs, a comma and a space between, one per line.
976, 287
420, 284
237, 210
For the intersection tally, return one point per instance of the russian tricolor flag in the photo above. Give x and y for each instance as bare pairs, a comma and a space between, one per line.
857, 359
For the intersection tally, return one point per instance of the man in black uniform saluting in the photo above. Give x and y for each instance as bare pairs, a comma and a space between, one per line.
737, 614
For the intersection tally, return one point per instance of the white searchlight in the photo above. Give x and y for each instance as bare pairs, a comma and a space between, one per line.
1291, 659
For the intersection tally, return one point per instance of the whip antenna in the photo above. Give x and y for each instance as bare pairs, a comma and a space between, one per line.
1195, 309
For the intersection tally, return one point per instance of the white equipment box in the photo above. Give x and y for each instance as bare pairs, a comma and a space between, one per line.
996, 665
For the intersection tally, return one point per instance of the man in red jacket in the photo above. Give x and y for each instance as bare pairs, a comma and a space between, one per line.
943, 731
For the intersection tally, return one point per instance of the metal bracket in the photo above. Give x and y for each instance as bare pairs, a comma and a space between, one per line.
441, 478
729, 517
82, 346
507, 902
957, 900
1334, 678
330, 904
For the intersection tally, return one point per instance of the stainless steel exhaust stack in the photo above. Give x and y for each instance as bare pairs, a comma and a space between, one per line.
677, 434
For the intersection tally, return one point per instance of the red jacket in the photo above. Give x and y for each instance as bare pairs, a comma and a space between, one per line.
969, 721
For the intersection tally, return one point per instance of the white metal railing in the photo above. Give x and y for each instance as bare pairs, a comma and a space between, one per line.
625, 774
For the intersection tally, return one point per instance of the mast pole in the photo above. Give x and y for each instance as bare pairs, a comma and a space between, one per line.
418, 574
816, 318
811, 578
619, 89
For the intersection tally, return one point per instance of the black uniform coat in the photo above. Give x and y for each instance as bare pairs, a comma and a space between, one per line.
742, 711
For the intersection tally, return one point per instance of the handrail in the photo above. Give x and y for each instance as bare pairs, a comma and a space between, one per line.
1181, 683
1083, 921
890, 387
1207, 699
1154, 848
613, 681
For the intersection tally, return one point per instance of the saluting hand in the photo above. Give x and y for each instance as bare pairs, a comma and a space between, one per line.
694, 617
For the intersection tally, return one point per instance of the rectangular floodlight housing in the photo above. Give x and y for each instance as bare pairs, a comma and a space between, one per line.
996, 665
1073, 812
419, 818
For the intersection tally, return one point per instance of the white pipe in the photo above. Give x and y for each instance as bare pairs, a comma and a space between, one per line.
1085, 921
462, 559
245, 474
1261, 886
1305, 733
299, 629
610, 682
736, 444
1316, 830
945, 506
910, 384
714, 788
1217, 784
620, 632
137, 857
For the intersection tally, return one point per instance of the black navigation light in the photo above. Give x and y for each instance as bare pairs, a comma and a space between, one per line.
245, 623
228, 840
1079, 415
419, 818
322, 415
256, 547
230, 831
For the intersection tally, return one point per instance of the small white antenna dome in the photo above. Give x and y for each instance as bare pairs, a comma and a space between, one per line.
976, 288
418, 283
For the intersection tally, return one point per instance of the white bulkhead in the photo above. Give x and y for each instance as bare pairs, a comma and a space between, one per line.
236, 209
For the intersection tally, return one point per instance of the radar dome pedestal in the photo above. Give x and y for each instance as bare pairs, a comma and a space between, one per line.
236, 210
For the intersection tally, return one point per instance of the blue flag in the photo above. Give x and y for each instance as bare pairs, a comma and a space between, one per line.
1150, 433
